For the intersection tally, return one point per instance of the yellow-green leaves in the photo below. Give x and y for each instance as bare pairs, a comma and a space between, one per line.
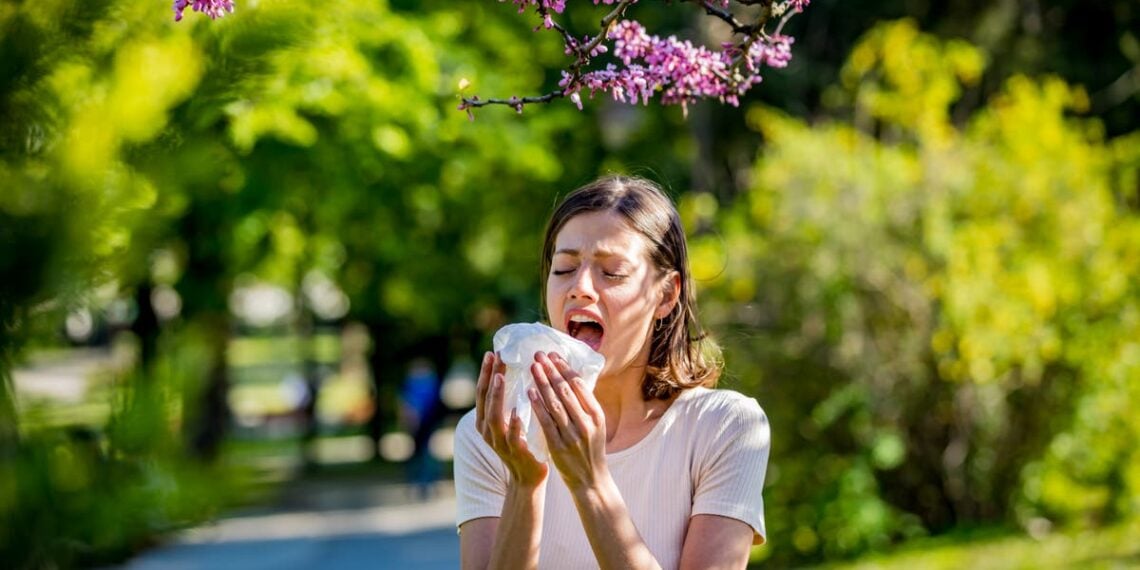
908, 79
944, 287
149, 76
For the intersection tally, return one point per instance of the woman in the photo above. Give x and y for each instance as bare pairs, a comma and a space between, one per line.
654, 468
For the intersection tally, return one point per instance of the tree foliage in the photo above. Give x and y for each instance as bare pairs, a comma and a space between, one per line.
944, 317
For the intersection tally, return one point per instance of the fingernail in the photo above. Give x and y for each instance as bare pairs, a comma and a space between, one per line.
532, 393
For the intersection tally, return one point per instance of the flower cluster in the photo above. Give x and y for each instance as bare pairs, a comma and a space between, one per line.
557, 5
213, 8
681, 71
646, 65
775, 51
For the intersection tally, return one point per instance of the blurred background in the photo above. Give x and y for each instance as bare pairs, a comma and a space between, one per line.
247, 266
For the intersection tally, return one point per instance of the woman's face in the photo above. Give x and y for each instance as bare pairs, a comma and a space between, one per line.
603, 289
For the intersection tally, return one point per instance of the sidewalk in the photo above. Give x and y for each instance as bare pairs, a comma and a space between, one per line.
327, 527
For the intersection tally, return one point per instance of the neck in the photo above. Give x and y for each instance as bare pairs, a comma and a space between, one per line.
620, 393
620, 397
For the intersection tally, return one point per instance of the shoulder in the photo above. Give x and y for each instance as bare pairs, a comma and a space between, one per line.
467, 422
472, 454
723, 405
467, 438
718, 415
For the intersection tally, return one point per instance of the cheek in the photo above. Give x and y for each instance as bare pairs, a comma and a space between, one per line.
635, 314
553, 304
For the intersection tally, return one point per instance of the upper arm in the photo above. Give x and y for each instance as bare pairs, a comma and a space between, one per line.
731, 466
714, 541
476, 540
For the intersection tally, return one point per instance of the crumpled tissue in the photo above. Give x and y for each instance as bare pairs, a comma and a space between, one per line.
516, 344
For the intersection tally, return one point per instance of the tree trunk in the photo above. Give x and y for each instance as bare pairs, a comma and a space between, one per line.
9, 423
386, 367
311, 373
146, 327
214, 411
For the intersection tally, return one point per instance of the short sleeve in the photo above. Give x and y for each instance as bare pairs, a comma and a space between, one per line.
732, 462
480, 476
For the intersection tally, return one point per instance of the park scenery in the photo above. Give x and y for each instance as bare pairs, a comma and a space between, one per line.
251, 252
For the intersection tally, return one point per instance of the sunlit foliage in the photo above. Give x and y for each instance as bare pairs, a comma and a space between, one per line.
943, 315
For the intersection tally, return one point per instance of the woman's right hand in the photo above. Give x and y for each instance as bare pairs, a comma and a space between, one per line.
502, 432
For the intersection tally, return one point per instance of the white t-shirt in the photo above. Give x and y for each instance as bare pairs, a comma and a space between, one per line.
707, 455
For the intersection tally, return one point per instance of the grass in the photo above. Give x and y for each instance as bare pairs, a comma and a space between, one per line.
1109, 548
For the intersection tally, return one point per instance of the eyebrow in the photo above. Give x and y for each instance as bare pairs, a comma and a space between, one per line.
577, 253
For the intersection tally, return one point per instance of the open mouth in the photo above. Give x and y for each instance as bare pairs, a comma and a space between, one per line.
586, 329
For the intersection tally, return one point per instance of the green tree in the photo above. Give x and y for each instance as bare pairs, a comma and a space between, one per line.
69, 102
930, 311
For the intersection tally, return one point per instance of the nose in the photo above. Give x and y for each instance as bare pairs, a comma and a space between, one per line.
583, 285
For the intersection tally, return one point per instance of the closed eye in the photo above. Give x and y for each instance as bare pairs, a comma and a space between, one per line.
561, 271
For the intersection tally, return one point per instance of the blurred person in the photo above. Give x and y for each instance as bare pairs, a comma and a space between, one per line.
420, 413
655, 467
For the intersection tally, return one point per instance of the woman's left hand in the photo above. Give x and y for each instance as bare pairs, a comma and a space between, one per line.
572, 420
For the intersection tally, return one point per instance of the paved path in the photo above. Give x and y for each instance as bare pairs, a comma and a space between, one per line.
412, 535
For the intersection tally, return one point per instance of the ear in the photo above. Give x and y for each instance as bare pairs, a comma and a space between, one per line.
670, 295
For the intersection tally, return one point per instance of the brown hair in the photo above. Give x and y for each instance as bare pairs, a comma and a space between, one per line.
681, 355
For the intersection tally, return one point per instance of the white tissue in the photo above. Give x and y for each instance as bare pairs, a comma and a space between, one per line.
516, 345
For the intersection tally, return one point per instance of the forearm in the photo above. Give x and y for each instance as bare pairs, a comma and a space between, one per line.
613, 536
520, 528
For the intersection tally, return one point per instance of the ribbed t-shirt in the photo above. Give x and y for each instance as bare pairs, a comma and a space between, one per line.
707, 455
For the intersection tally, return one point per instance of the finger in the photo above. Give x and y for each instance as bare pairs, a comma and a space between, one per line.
498, 378
585, 396
549, 429
515, 436
519, 447
559, 383
517, 439
549, 399
499, 366
496, 412
563, 367
486, 410
589, 403
579, 417
481, 389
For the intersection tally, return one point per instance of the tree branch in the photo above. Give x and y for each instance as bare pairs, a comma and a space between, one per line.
582, 57
606, 22
719, 75
516, 103
738, 27
545, 13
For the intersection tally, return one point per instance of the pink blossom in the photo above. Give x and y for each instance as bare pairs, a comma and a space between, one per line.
645, 65
213, 8
677, 69
557, 5
774, 51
